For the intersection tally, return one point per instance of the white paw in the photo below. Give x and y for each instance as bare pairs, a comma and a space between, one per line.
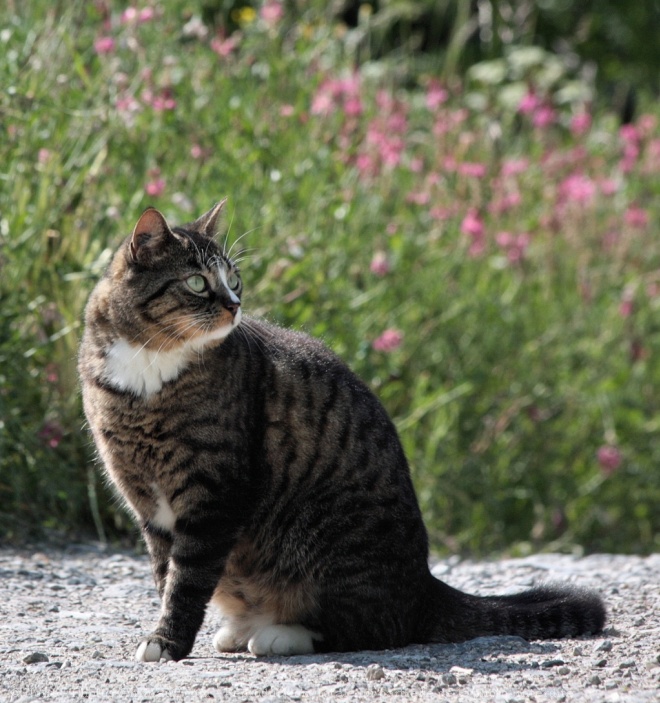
284, 640
226, 640
150, 651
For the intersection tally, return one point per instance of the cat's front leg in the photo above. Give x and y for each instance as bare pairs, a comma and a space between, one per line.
196, 563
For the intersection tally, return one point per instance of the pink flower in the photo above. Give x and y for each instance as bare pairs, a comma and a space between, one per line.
636, 217
629, 133
52, 374
472, 170
436, 95
544, 116
580, 124
155, 188
528, 104
514, 245
379, 264
630, 156
146, 14
271, 12
418, 198
129, 15
577, 188
51, 433
609, 458
505, 203
224, 47
389, 341
196, 151
608, 187
132, 15
104, 45
512, 167
287, 110
44, 156
627, 304
472, 224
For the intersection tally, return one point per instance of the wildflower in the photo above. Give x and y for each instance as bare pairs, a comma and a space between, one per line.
389, 341
507, 202
51, 433
156, 186
44, 156
146, 14
580, 124
629, 133
513, 245
131, 15
577, 188
609, 458
104, 45
544, 116
287, 110
418, 198
224, 47
271, 12
244, 15
436, 95
528, 104
630, 155
472, 224
512, 167
196, 151
379, 264
52, 374
472, 170
608, 187
627, 304
636, 217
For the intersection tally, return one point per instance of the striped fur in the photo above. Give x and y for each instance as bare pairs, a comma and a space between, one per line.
265, 476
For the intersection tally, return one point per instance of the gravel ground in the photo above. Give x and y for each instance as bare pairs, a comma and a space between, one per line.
70, 621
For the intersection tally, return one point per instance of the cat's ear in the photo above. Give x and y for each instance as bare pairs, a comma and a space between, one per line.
149, 236
207, 224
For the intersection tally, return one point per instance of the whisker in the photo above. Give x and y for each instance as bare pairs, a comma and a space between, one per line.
245, 234
224, 245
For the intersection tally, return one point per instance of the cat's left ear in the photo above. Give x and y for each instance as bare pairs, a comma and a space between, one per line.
149, 236
207, 224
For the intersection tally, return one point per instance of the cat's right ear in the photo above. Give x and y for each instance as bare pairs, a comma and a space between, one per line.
150, 234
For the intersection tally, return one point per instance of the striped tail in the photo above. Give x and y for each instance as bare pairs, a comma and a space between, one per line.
545, 612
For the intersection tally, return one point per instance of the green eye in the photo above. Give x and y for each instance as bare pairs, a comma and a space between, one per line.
197, 284
233, 281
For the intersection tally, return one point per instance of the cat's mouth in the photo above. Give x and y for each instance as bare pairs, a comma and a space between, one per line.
227, 322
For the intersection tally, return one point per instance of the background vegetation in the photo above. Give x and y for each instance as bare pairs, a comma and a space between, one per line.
462, 203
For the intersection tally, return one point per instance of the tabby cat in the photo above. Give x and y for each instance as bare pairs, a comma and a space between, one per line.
265, 476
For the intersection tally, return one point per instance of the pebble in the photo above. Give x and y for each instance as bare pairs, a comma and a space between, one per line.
35, 658
375, 673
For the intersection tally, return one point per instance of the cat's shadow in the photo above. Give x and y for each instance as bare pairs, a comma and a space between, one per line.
484, 654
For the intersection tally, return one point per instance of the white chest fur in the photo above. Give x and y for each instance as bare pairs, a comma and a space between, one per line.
143, 371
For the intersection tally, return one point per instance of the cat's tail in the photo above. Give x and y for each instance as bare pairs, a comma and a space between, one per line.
545, 612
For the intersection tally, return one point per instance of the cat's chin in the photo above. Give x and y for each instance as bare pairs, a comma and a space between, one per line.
216, 335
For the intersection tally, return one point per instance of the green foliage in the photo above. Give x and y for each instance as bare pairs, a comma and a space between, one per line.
491, 272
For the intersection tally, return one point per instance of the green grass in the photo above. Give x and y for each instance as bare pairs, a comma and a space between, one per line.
510, 376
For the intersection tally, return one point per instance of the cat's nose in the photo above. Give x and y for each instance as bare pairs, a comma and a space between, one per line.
232, 307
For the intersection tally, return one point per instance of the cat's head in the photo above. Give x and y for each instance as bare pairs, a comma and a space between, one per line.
170, 286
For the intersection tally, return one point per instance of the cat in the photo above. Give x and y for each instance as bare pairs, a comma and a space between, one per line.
266, 478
